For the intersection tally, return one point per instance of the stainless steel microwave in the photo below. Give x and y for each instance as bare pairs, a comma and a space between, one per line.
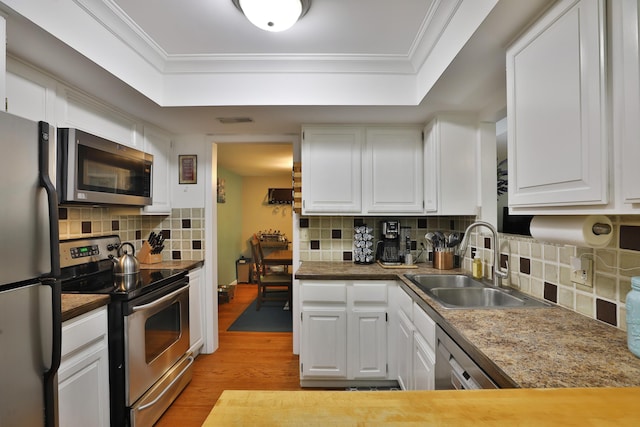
95, 170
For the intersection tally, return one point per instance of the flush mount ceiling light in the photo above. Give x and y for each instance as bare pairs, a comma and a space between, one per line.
273, 15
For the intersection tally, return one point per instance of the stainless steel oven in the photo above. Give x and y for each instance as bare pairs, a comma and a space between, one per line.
156, 337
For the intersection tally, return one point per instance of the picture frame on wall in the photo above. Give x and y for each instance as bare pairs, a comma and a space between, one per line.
188, 168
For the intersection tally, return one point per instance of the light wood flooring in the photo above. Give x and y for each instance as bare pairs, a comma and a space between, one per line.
243, 361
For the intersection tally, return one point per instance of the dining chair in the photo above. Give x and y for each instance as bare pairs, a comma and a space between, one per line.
271, 284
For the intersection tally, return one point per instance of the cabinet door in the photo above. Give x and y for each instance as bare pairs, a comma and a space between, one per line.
627, 98
404, 351
323, 348
159, 144
450, 171
29, 94
367, 336
392, 171
331, 170
196, 311
83, 376
557, 144
424, 361
431, 166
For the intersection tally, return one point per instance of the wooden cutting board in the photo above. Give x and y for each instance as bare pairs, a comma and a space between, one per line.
473, 408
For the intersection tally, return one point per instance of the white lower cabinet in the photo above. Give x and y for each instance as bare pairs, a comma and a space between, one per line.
343, 333
367, 346
323, 351
415, 344
83, 376
196, 311
404, 349
424, 350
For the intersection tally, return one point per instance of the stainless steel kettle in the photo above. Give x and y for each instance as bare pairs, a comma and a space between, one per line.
125, 264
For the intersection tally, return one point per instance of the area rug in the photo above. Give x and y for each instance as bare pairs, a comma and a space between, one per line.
272, 317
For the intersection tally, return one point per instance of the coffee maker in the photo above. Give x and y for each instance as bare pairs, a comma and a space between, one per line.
388, 249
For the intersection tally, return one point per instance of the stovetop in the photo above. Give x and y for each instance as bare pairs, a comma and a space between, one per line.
87, 269
105, 282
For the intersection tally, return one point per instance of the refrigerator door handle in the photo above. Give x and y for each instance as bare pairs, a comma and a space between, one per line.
52, 196
51, 376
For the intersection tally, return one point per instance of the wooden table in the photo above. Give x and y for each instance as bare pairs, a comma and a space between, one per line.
279, 257
474, 408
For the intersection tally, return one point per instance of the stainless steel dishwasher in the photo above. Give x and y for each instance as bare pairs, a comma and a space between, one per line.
455, 369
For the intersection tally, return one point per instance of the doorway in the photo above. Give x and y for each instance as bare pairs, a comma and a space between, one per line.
246, 172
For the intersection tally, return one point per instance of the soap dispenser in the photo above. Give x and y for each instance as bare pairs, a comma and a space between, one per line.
476, 268
632, 303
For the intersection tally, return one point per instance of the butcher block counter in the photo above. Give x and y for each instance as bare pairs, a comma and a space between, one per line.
549, 347
476, 408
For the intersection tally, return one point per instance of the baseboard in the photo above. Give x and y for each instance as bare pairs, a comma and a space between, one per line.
347, 383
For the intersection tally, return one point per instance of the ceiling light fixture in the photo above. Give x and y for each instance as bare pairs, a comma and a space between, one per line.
273, 15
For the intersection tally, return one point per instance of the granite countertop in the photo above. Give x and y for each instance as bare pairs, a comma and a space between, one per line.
174, 264
74, 305
524, 347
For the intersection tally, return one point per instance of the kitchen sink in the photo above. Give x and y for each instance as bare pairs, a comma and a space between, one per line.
431, 281
476, 297
461, 291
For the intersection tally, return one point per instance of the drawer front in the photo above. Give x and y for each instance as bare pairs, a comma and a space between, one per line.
83, 330
368, 293
425, 325
405, 303
323, 292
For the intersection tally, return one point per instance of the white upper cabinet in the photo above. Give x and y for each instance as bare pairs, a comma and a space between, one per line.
29, 94
77, 110
556, 102
626, 94
450, 165
158, 144
332, 169
392, 170
361, 170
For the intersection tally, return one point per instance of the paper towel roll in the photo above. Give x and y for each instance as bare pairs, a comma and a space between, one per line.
572, 230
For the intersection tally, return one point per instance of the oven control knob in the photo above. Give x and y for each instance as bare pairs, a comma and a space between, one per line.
113, 246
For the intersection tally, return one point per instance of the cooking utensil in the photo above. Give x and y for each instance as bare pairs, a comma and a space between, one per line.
429, 237
453, 239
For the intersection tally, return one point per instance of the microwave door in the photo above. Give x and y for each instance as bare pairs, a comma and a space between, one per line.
98, 171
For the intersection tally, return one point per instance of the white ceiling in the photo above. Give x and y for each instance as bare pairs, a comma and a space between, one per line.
182, 65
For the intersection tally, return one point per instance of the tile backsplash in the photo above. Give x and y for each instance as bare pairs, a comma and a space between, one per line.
536, 268
183, 229
330, 238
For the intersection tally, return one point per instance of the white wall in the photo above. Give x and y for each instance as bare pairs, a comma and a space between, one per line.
189, 195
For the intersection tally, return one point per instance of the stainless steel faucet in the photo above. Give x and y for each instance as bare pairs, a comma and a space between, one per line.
498, 273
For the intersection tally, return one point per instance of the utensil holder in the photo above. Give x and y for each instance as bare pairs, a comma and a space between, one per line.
146, 257
443, 259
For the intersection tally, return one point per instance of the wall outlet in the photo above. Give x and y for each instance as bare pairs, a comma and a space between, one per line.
582, 272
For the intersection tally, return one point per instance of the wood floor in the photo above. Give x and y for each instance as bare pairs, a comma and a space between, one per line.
243, 361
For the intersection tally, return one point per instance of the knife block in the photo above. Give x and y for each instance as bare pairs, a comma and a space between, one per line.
146, 257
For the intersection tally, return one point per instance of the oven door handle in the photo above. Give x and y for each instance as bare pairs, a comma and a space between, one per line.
168, 387
160, 300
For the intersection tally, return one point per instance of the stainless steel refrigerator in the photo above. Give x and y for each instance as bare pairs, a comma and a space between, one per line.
30, 307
